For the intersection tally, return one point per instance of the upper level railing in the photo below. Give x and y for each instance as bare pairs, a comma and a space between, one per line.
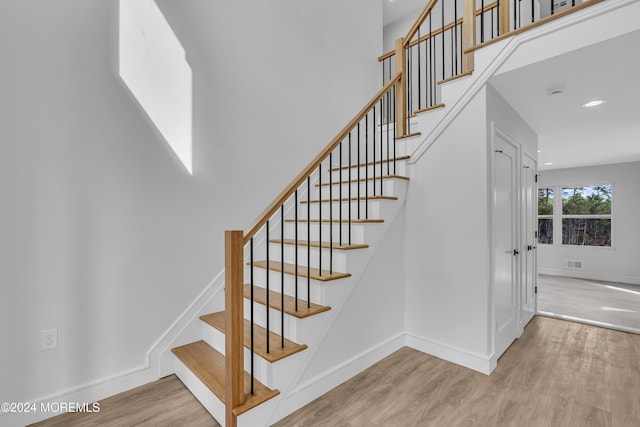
438, 47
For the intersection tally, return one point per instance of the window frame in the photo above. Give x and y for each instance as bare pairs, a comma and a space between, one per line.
558, 215
563, 216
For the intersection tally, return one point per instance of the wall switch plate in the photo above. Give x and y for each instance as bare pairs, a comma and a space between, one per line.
49, 339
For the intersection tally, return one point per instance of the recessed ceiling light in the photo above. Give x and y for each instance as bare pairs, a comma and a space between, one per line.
548, 164
539, 151
594, 103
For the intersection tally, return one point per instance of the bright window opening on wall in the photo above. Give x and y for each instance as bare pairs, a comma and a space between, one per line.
586, 215
545, 216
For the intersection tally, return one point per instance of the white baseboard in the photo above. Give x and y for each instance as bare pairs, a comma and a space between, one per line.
312, 389
477, 362
607, 277
87, 393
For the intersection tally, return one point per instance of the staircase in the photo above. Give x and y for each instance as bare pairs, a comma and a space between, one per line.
201, 365
289, 275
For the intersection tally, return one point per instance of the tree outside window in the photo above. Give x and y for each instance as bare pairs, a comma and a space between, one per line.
545, 216
586, 215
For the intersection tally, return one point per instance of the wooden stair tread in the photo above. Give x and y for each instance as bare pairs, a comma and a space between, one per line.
409, 135
303, 271
260, 296
457, 76
276, 351
377, 162
353, 199
207, 364
364, 179
325, 245
353, 221
424, 110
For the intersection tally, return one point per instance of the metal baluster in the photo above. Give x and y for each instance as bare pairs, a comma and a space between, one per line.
308, 241
442, 34
366, 169
455, 32
251, 315
349, 181
358, 168
432, 65
419, 75
340, 198
267, 269
374, 152
281, 277
497, 8
381, 153
295, 201
319, 221
330, 216
393, 112
552, 7
388, 117
481, 21
492, 21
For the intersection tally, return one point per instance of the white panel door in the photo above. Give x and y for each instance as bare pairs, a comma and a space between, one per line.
505, 252
528, 302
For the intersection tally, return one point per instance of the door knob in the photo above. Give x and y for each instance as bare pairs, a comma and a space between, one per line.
515, 252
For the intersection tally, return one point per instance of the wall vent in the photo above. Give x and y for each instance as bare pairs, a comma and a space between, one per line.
574, 264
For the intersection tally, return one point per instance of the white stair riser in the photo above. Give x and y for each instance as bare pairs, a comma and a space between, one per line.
211, 403
275, 284
274, 375
339, 257
370, 170
389, 188
296, 329
373, 209
358, 231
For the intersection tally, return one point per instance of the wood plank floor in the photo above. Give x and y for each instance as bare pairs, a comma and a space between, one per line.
558, 373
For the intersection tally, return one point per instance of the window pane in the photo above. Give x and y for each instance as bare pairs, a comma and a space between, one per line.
545, 231
586, 231
545, 201
589, 200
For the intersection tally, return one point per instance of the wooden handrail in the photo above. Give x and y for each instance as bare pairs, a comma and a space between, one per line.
438, 31
307, 171
414, 29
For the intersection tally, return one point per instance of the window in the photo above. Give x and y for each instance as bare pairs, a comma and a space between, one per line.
586, 215
545, 216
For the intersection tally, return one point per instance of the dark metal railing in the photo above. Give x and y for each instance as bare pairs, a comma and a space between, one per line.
374, 133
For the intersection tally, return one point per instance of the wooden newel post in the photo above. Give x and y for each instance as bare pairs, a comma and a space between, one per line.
468, 33
401, 90
504, 17
234, 317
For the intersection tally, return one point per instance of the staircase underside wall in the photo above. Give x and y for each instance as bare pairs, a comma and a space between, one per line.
369, 326
446, 266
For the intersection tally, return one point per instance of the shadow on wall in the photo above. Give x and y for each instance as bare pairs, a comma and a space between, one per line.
153, 66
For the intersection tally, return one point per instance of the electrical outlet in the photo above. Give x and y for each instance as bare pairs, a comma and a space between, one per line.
49, 339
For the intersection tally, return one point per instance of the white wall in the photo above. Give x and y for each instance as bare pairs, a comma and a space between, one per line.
500, 112
104, 235
446, 244
618, 263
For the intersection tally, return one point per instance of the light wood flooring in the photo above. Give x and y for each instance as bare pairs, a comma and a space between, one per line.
558, 373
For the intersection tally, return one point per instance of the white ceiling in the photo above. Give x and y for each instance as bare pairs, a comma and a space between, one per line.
396, 9
569, 135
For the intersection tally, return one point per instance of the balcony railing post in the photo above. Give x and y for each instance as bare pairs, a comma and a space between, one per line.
234, 318
401, 89
504, 16
468, 33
